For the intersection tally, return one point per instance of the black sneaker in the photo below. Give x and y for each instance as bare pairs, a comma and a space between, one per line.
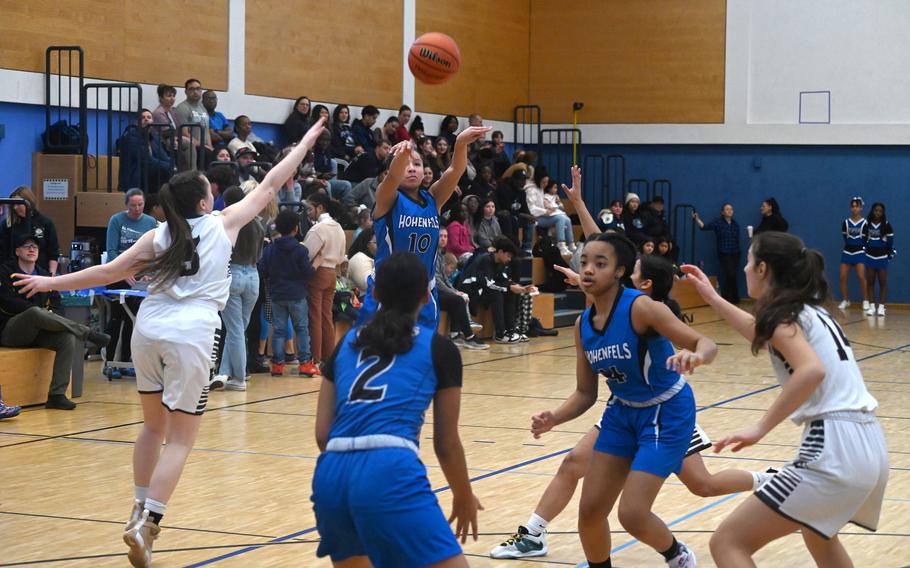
291, 359
259, 364
98, 339
59, 402
474, 342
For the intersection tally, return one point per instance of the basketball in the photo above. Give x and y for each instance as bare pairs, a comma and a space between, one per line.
434, 58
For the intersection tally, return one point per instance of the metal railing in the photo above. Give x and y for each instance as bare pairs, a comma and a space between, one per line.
62, 103
616, 177
640, 187
594, 182
112, 109
526, 124
554, 151
683, 231
663, 188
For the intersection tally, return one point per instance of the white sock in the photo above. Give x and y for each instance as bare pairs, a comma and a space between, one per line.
154, 506
759, 478
536, 524
140, 493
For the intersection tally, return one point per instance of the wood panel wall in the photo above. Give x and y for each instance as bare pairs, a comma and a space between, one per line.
166, 41
493, 40
641, 61
345, 51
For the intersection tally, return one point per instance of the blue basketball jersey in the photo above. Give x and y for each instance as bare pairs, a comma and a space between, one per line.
384, 395
854, 241
634, 366
409, 226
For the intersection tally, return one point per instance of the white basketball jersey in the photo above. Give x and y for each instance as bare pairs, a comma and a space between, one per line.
843, 387
206, 277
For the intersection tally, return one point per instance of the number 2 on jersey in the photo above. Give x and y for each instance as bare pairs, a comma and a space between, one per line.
370, 367
419, 243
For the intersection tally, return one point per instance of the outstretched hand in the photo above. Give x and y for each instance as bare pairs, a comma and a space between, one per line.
471, 134
309, 139
702, 284
572, 277
739, 440
574, 192
31, 284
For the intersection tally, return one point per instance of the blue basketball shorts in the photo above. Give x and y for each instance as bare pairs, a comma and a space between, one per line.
378, 503
428, 317
656, 438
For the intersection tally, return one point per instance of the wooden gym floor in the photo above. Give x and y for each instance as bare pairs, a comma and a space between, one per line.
66, 486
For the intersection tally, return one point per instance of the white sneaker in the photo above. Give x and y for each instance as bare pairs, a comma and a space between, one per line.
870, 311
135, 514
218, 382
685, 558
881, 309
522, 544
563, 249
522, 338
140, 538
844, 304
865, 305
507, 338
233, 385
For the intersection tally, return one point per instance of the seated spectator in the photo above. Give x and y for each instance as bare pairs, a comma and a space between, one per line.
387, 132
454, 302
362, 129
191, 111
648, 245
298, 121
482, 186
343, 144
447, 129
289, 268
7, 411
428, 178
611, 219
364, 193
512, 207
248, 170
426, 150
322, 111
443, 158
219, 127
123, 230
140, 152
223, 155
459, 237
632, 219
653, 218
501, 161
401, 133
362, 254
246, 138
326, 170
490, 280
345, 304
364, 221
417, 131
38, 321
485, 226
666, 249
549, 215
220, 178
367, 164
26, 220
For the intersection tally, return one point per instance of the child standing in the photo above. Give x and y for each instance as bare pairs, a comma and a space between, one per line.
287, 265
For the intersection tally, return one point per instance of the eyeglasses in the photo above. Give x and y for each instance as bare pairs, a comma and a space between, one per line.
29, 247
194, 88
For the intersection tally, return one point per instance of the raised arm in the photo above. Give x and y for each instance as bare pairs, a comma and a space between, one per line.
442, 189
742, 321
387, 191
242, 212
574, 194
125, 265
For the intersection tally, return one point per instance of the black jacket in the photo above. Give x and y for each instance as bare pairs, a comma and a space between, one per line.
37, 225
365, 165
12, 303
482, 275
773, 222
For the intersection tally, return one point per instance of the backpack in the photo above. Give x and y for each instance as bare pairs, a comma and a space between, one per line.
62, 138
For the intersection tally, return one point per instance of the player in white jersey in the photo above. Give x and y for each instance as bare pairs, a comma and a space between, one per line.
841, 468
174, 339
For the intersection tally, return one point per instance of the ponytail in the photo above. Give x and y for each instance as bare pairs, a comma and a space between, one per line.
179, 200
797, 279
400, 286
659, 271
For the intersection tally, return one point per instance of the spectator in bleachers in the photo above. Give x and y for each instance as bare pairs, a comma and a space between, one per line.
141, 153
654, 220
459, 236
443, 157
548, 214
364, 193
453, 301
362, 254
248, 170
343, 144
223, 155
290, 192
667, 249
428, 178
401, 133
298, 121
771, 218
326, 170
417, 131
191, 111
362, 129
246, 138
367, 164
485, 226
327, 236
319, 111
219, 127
28, 221
243, 294
427, 150
632, 219
220, 178
512, 207
729, 254
474, 119
38, 321
501, 161
611, 219
388, 130
123, 230
364, 222
447, 129
482, 186
166, 113
648, 245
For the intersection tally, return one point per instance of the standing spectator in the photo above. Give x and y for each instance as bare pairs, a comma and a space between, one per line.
854, 253
401, 133
474, 119
879, 252
191, 111
459, 236
485, 226
447, 129
771, 218
611, 219
141, 152
243, 294
549, 215
28, 221
289, 269
219, 127
123, 230
362, 129
453, 301
362, 254
166, 113
38, 321
343, 144
325, 236
632, 219
246, 138
367, 164
501, 161
298, 121
388, 132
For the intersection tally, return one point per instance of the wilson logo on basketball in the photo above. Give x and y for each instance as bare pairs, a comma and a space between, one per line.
434, 57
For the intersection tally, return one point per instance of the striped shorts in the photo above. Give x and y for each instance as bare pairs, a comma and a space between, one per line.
838, 477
